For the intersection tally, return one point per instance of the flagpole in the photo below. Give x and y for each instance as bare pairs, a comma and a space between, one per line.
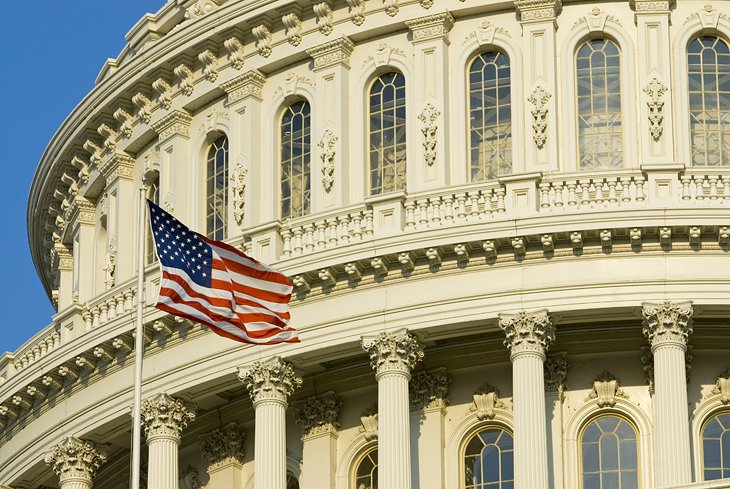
139, 344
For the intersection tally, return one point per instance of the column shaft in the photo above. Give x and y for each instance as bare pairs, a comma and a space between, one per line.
672, 425
529, 422
163, 471
394, 440
270, 445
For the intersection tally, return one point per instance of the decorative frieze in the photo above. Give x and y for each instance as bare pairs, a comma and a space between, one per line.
539, 99
722, 386
428, 118
538, 10
398, 351
201, 8
323, 12
234, 48
431, 27
318, 415
184, 75
249, 84
327, 147
606, 390
164, 416
667, 322
176, 123
357, 11
270, 380
429, 389
527, 332
332, 53
655, 90
486, 400
650, 6
224, 446
555, 371
292, 28
75, 459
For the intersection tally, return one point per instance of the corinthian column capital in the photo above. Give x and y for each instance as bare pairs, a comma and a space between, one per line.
164, 416
319, 415
667, 322
224, 446
398, 351
270, 380
527, 332
75, 460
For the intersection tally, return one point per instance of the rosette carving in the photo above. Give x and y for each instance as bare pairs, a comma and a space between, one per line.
224, 445
527, 332
397, 351
429, 389
164, 416
270, 380
667, 322
319, 415
75, 459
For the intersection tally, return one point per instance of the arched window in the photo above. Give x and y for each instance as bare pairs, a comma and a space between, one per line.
716, 447
295, 153
217, 189
489, 460
608, 454
153, 194
366, 471
490, 116
291, 481
600, 133
388, 133
708, 60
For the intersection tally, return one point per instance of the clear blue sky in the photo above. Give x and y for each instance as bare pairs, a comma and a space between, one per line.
51, 53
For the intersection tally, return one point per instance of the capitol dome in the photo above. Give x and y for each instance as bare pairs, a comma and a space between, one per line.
507, 224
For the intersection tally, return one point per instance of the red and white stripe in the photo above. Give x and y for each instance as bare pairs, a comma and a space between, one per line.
247, 301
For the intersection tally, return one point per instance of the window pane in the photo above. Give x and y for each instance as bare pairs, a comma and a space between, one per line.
295, 160
217, 188
387, 134
608, 454
488, 460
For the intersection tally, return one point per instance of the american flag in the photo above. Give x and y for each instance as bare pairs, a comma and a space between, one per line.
217, 285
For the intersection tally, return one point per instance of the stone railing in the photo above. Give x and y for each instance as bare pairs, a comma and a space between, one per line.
44, 342
595, 191
706, 185
109, 305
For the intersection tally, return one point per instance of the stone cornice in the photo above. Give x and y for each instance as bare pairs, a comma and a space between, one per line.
332, 53
527, 332
249, 84
176, 123
396, 352
431, 27
272, 380
538, 10
667, 323
165, 417
75, 459
82, 212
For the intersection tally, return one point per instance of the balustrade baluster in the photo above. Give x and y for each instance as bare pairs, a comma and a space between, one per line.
357, 226
713, 187
544, 195
572, 198
585, 197
640, 194
726, 187
422, 212
286, 238
345, 229
436, 211
449, 208
461, 207
309, 237
699, 187
410, 216
500, 193
298, 247
369, 222
558, 194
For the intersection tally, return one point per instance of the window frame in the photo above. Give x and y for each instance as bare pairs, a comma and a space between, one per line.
596, 417
281, 113
364, 452
723, 409
210, 141
474, 431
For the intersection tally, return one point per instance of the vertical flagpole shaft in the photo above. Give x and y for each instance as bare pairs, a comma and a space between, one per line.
139, 346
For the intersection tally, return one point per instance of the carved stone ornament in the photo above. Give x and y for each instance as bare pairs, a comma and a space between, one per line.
369, 423
210, 64
428, 118
110, 266
269, 380
200, 9
318, 415
539, 99
176, 123
391, 7
224, 446
555, 371
189, 478
332, 53
124, 119
164, 416
263, 40
144, 107
436, 26
75, 459
486, 400
249, 84
398, 351
234, 48
527, 332
538, 10
292, 28
327, 145
650, 6
655, 90
238, 185
606, 389
708, 17
722, 386
163, 91
323, 12
429, 389
357, 11
667, 322
185, 78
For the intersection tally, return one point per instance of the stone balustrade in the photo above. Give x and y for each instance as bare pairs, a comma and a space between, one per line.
109, 305
320, 232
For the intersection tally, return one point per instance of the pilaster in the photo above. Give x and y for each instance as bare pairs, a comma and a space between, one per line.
654, 51
64, 262
223, 449
429, 397
163, 420
319, 418
75, 462
555, 374
430, 38
270, 383
393, 356
667, 325
528, 335
331, 128
83, 215
538, 19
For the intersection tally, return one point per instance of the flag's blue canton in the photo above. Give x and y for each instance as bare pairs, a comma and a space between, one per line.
179, 247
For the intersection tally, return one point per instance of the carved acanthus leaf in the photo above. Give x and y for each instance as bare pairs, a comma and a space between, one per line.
124, 119
292, 28
327, 147
224, 445
263, 40
486, 400
270, 380
429, 389
185, 78
398, 351
357, 11
722, 386
323, 12
556, 372
165, 416
655, 90
428, 118
527, 331
667, 322
319, 415
163, 91
210, 64
238, 184
235, 52
606, 389
144, 107
75, 459
539, 99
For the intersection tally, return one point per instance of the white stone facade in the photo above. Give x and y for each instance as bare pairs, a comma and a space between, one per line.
536, 302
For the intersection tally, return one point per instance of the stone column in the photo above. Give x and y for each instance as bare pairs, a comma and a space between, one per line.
528, 336
667, 326
428, 397
392, 356
319, 419
270, 383
163, 419
223, 448
75, 462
